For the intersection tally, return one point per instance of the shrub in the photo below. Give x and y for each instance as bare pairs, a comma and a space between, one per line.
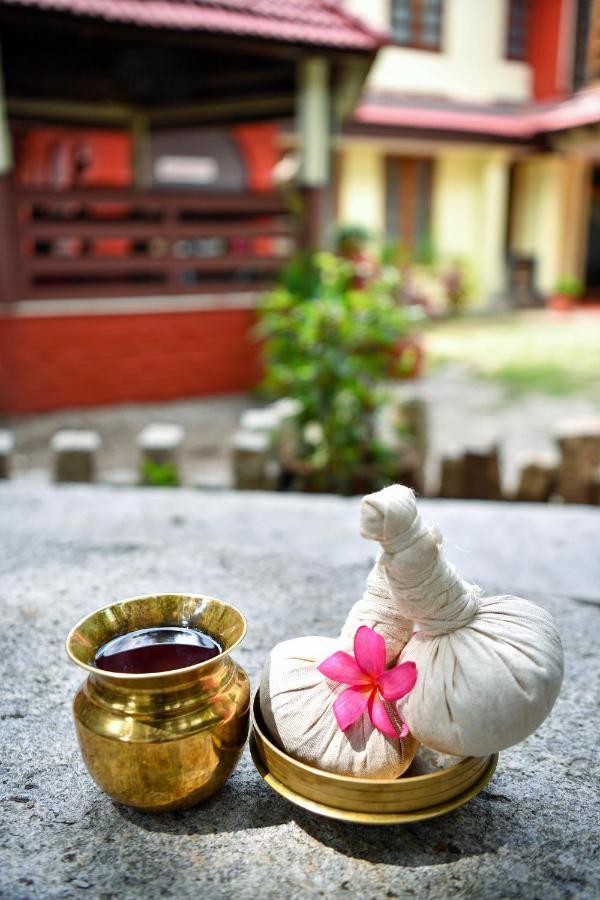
330, 345
159, 474
568, 286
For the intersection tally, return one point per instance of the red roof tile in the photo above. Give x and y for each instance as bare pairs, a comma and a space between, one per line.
322, 23
397, 111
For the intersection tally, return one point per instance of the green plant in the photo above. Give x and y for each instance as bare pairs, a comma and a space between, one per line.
332, 349
159, 474
568, 286
351, 239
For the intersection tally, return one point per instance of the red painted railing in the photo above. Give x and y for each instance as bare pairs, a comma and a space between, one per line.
120, 242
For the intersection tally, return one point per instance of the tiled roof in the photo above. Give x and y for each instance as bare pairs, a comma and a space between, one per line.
517, 122
322, 23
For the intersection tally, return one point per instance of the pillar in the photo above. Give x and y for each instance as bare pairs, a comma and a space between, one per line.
7, 217
493, 222
313, 124
139, 140
575, 219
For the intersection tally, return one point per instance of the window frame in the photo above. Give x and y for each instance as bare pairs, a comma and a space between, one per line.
417, 8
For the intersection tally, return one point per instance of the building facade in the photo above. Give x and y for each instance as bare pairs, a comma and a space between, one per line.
139, 216
477, 132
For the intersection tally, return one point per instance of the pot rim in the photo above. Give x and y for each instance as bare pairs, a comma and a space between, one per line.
126, 677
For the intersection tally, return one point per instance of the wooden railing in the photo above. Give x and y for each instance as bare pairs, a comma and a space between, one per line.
119, 242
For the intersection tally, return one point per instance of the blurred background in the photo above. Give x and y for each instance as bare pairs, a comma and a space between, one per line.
316, 245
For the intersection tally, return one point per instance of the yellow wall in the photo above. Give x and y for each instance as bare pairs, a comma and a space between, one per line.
469, 200
361, 197
469, 215
471, 64
538, 215
455, 208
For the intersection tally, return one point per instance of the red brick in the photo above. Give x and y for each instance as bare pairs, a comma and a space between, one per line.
58, 362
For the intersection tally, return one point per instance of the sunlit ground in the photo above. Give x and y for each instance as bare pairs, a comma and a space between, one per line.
533, 351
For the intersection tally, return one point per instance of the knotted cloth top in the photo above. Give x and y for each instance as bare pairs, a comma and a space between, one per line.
426, 587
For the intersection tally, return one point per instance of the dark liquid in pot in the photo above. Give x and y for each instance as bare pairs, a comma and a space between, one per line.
158, 649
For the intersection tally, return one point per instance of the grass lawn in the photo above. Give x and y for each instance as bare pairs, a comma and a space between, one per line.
555, 353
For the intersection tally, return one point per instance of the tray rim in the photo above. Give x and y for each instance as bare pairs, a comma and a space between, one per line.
259, 733
260, 727
369, 818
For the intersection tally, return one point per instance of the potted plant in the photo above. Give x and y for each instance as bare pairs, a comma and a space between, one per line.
566, 292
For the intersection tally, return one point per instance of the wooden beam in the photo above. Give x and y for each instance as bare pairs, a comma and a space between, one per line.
70, 111
139, 139
222, 109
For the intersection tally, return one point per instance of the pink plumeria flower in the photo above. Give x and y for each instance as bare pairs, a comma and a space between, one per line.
370, 682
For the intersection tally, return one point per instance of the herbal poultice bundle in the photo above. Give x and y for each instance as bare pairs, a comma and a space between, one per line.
421, 656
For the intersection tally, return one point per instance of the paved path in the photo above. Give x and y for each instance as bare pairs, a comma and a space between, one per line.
294, 564
463, 411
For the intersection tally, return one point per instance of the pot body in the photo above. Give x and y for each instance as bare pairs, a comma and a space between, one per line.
164, 744
164, 740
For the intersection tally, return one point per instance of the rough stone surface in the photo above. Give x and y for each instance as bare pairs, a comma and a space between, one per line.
294, 564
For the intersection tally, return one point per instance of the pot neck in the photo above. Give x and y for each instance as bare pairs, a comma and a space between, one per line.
206, 677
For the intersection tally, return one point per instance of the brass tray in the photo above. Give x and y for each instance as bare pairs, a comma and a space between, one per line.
411, 798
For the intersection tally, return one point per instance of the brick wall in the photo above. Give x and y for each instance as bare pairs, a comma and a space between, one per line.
76, 361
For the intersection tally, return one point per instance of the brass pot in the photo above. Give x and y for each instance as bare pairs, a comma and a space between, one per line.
165, 740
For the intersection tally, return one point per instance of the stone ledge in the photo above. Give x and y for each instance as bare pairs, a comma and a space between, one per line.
294, 564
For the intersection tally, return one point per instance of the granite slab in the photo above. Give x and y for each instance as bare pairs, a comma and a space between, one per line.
294, 564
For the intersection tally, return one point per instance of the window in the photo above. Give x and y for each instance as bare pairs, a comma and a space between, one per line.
582, 57
517, 37
417, 23
408, 201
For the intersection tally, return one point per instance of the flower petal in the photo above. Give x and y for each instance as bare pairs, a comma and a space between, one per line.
350, 705
379, 716
343, 668
404, 731
369, 651
395, 683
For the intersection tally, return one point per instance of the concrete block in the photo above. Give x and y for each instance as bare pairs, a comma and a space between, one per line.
482, 474
254, 467
264, 420
594, 488
401, 425
537, 480
7, 444
286, 408
75, 455
579, 442
452, 477
161, 442
159, 445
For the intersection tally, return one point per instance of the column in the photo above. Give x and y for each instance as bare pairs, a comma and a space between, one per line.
7, 217
575, 220
313, 125
493, 220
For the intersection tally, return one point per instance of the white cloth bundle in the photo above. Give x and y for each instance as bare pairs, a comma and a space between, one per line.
296, 700
488, 670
